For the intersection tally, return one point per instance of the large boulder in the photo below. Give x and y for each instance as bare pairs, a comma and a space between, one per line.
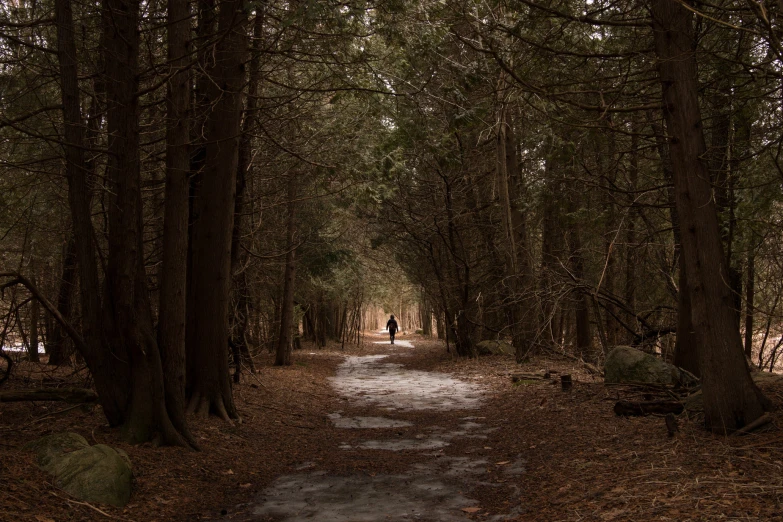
494, 348
93, 473
629, 365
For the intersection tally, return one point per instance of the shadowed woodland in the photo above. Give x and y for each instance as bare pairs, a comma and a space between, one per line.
192, 192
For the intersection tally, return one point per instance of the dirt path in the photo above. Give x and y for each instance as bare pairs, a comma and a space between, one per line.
415, 434
402, 420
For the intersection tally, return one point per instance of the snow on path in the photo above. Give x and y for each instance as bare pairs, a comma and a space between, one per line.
370, 380
432, 490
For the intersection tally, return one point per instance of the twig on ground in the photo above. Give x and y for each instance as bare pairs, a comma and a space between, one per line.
71, 501
64, 410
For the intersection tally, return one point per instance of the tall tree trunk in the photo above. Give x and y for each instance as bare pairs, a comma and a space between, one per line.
731, 399
111, 381
205, 32
285, 340
518, 262
173, 278
128, 315
35, 309
720, 164
57, 345
240, 287
584, 336
210, 385
608, 181
687, 343
630, 230
750, 289
551, 246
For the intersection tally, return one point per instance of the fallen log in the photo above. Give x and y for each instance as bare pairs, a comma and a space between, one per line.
753, 426
71, 395
628, 408
526, 377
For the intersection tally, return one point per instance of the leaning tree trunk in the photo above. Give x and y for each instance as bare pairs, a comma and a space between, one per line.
210, 384
285, 340
173, 278
731, 399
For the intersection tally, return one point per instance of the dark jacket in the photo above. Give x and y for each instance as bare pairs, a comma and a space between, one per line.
392, 325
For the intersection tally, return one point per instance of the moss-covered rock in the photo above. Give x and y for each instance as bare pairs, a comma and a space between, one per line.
93, 473
629, 365
50, 448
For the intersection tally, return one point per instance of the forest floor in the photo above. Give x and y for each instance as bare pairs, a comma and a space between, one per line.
408, 432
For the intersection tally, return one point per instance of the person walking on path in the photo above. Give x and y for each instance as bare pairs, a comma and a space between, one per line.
392, 326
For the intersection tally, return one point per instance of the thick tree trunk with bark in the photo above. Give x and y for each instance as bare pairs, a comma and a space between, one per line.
128, 316
584, 335
111, 381
518, 265
173, 279
210, 385
731, 399
240, 286
285, 340
686, 345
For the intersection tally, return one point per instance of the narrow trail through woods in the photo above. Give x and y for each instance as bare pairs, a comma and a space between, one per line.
411, 432
402, 419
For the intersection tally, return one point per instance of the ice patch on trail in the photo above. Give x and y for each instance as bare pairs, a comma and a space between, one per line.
397, 342
366, 422
368, 379
439, 438
361, 498
398, 444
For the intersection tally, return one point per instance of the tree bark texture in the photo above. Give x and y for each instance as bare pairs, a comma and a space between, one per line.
686, 345
731, 399
209, 384
285, 339
111, 382
750, 290
519, 267
57, 347
173, 280
584, 335
127, 314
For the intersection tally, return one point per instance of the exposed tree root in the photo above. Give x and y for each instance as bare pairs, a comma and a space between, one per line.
202, 405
